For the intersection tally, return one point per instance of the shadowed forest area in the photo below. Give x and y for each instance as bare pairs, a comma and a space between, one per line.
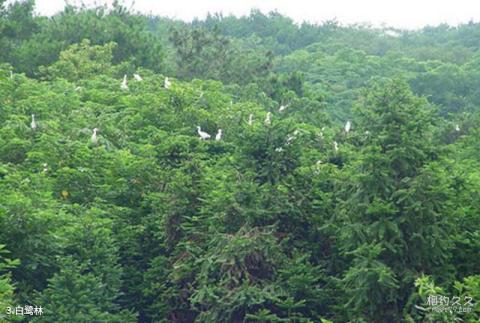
236, 169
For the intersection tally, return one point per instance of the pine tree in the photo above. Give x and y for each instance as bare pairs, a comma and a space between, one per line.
393, 205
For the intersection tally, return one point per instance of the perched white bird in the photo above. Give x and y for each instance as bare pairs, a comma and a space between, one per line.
250, 119
282, 108
268, 119
137, 77
367, 132
219, 135
45, 167
279, 149
124, 85
457, 127
167, 83
33, 124
290, 139
11, 75
348, 126
203, 135
94, 136
335, 146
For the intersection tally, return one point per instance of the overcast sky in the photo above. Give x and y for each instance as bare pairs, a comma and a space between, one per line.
396, 13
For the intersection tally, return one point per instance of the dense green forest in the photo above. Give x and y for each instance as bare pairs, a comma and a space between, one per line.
340, 181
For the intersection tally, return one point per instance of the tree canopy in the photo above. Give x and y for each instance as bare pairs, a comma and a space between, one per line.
114, 209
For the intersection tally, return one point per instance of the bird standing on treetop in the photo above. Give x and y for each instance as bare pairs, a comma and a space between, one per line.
282, 108
203, 135
335, 146
137, 77
250, 119
457, 127
167, 83
268, 120
33, 124
94, 136
348, 126
219, 135
124, 85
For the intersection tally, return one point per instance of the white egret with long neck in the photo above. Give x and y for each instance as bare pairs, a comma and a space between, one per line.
268, 119
203, 135
94, 136
167, 83
348, 126
250, 119
218, 136
335, 146
124, 85
137, 77
33, 124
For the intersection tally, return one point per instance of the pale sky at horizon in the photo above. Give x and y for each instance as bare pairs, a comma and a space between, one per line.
408, 14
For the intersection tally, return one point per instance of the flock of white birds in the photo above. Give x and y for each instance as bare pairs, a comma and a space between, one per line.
204, 135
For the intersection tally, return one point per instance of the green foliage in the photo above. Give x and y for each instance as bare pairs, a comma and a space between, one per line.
285, 218
82, 61
209, 55
6, 288
394, 224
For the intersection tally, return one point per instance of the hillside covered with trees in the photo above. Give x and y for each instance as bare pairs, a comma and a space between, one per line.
340, 181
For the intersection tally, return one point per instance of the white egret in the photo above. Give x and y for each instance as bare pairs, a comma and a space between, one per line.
250, 119
137, 77
335, 146
94, 136
290, 139
11, 74
124, 85
268, 119
219, 135
282, 108
457, 127
33, 124
203, 135
45, 167
348, 126
279, 149
167, 83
